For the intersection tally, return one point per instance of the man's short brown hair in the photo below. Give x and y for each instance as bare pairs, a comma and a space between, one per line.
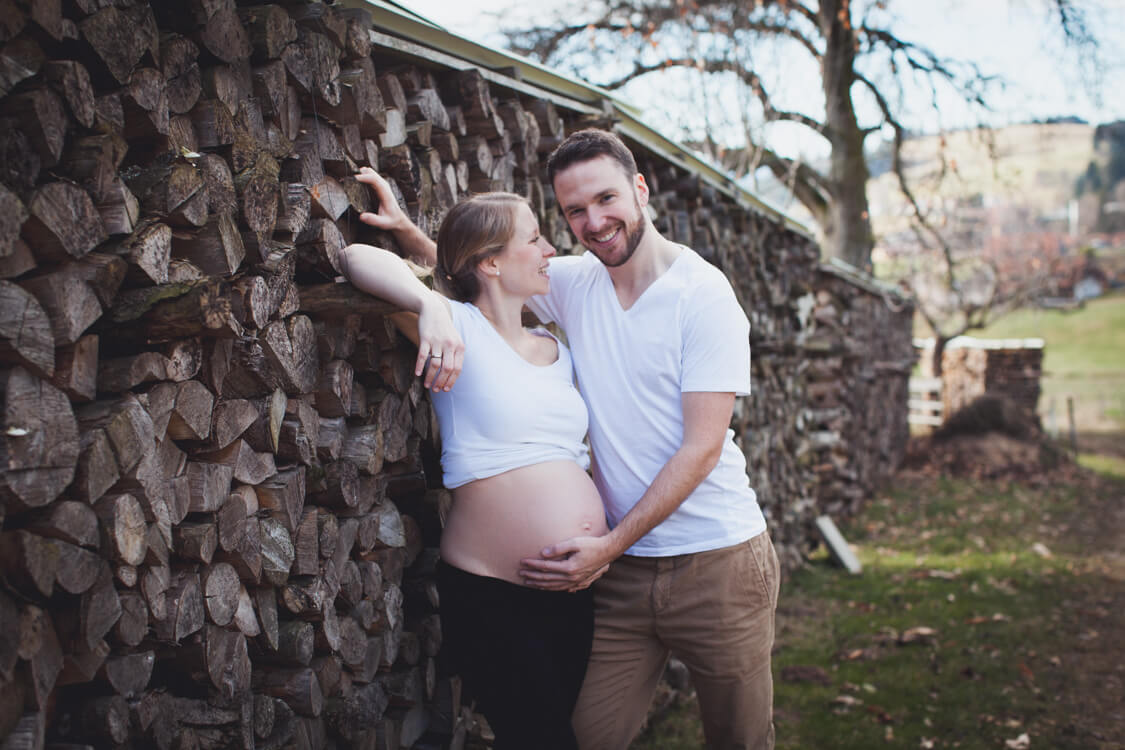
584, 145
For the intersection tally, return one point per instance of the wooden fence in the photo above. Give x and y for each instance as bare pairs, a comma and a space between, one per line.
925, 404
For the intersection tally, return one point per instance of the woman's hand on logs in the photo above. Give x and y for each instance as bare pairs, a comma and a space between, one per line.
390, 217
441, 351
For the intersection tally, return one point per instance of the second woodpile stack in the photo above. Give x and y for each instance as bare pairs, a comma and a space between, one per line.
1011, 370
972, 367
220, 501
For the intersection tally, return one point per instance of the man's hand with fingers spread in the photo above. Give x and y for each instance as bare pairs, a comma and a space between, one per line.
570, 565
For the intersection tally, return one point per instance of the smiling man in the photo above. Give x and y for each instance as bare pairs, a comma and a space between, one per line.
661, 349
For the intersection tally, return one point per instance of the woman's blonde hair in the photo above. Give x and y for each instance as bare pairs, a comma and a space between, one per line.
477, 228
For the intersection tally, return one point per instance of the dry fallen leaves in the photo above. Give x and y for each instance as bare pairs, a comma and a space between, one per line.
920, 634
880, 714
805, 673
997, 617
945, 575
1023, 742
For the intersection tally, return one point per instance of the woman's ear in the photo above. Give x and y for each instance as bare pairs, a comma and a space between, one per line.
490, 266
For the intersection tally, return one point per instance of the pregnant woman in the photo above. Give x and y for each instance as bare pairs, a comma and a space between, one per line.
512, 429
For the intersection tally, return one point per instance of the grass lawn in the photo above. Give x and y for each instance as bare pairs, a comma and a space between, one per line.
1113, 466
985, 612
1088, 341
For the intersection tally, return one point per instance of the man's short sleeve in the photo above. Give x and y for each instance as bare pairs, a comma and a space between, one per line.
551, 307
716, 341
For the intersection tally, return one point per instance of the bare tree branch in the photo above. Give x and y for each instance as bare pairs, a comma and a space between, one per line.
749, 77
803, 181
904, 186
1074, 24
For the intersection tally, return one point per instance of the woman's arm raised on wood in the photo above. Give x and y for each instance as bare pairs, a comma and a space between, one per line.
383, 274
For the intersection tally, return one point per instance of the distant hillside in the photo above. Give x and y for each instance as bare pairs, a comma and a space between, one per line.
1034, 165
1102, 188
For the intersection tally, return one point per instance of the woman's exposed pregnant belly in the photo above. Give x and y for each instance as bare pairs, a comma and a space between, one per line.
496, 522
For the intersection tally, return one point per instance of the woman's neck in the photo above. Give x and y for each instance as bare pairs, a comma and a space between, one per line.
504, 313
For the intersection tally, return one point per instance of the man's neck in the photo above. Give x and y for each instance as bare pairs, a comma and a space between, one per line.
653, 257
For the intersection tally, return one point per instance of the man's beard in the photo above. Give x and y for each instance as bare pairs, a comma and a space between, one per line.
633, 239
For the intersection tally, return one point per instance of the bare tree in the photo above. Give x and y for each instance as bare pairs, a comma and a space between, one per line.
852, 44
967, 276
958, 291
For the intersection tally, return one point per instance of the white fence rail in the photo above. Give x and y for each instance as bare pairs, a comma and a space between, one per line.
925, 402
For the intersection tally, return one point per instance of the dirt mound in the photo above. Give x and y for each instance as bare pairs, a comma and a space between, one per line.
989, 413
991, 455
990, 438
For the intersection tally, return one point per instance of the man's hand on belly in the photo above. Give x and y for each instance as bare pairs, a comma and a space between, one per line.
570, 565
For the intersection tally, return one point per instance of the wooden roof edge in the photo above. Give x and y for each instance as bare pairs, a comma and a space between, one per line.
846, 271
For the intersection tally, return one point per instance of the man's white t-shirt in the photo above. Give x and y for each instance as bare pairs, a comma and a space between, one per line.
685, 333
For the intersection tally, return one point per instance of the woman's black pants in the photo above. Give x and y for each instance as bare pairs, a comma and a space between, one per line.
521, 653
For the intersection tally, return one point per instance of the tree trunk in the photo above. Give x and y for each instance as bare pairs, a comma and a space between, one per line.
847, 225
938, 354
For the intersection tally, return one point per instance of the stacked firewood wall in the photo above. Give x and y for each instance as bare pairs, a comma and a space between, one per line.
220, 501
215, 460
972, 367
1017, 373
860, 355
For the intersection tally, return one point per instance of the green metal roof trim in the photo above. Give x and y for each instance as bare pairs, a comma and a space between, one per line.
427, 40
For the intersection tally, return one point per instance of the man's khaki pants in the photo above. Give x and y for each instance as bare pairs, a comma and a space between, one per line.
714, 611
